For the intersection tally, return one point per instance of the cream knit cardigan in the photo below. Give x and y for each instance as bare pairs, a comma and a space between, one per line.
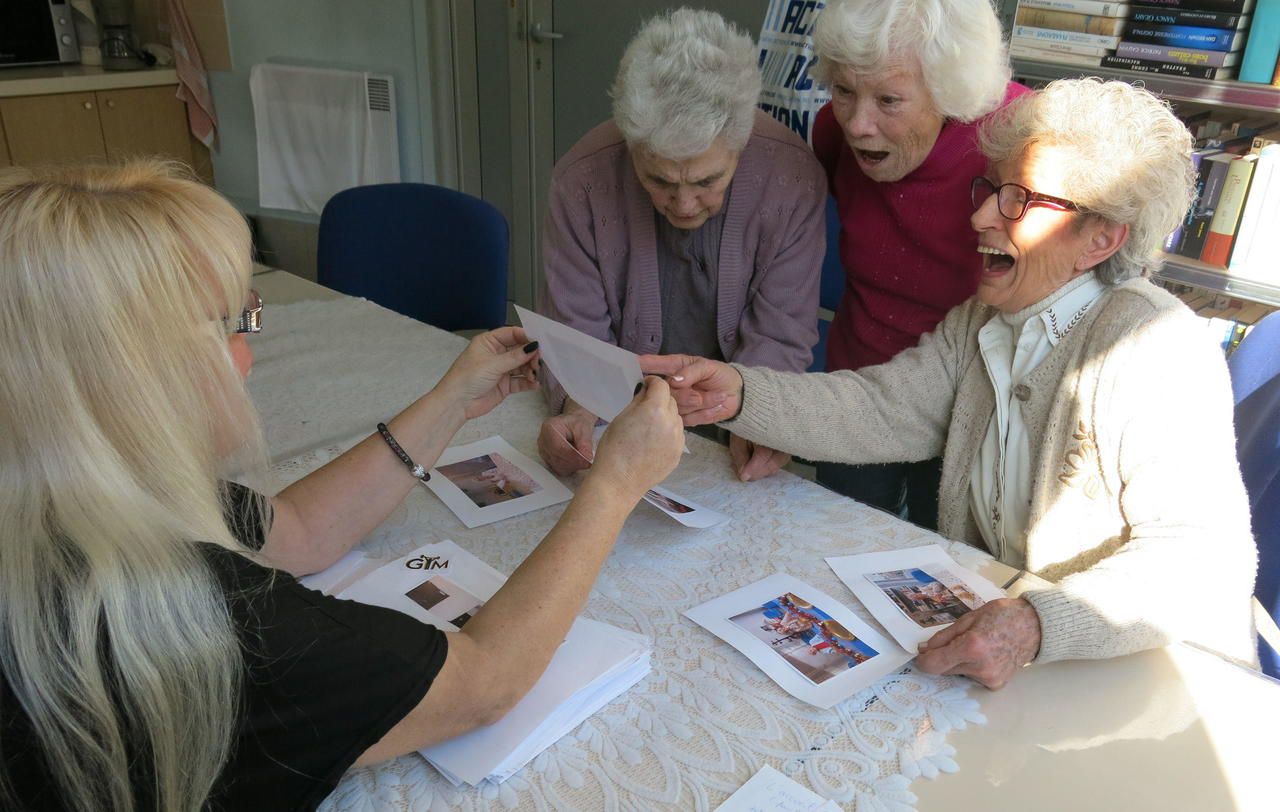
1138, 516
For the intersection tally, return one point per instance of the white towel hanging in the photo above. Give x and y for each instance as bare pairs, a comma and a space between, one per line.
321, 131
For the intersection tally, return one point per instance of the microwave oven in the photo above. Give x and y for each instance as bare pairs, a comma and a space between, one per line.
37, 32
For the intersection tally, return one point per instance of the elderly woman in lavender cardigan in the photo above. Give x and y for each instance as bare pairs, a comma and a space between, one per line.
689, 223
1083, 420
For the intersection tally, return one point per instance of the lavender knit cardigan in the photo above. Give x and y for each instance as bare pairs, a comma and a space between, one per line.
599, 251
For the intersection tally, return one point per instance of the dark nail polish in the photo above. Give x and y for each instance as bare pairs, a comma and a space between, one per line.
639, 386
531, 346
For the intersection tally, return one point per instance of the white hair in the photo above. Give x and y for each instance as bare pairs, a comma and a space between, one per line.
1126, 157
959, 44
686, 79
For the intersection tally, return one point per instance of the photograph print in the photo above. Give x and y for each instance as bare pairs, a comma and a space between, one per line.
666, 503
445, 599
490, 479
928, 598
805, 637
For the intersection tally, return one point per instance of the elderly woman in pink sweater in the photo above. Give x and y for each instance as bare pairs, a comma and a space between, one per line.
688, 223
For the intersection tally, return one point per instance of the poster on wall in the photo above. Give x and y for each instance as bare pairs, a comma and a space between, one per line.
789, 91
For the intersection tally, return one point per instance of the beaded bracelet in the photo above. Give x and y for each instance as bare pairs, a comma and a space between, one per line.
415, 470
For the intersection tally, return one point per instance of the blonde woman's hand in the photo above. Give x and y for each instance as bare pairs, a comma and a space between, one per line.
705, 391
495, 364
643, 444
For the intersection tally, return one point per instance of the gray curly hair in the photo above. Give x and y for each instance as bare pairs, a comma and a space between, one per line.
686, 79
1128, 159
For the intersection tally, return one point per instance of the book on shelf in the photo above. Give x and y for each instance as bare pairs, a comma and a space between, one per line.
1186, 36
1263, 48
1255, 253
1213, 170
1034, 33
1174, 240
1167, 68
1059, 47
1265, 139
1157, 15
1094, 7
1234, 6
1226, 218
1058, 57
1069, 21
1172, 53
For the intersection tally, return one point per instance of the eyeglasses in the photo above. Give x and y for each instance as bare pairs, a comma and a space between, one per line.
250, 320
1013, 199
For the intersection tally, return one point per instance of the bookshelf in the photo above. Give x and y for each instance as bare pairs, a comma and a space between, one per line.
1225, 94
1209, 277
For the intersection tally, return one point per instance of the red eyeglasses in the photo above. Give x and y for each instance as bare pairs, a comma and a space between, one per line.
1013, 199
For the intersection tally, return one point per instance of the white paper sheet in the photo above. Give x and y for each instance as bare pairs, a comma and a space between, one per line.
817, 650
444, 585
771, 791
488, 480
599, 376
914, 593
342, 573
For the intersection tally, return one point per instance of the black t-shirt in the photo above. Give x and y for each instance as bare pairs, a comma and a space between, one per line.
324, 680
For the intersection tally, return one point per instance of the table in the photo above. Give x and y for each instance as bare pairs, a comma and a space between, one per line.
1175, 728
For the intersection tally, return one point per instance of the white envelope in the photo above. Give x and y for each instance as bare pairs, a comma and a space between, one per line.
600, 377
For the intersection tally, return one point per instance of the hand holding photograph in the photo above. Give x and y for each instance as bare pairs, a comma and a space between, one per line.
914, 593
488, 481
815, 648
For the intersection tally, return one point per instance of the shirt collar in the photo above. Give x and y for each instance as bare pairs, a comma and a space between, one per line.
1061, 310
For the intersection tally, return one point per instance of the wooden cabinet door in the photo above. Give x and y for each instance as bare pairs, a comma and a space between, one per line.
58, 127
144, 121
4, 148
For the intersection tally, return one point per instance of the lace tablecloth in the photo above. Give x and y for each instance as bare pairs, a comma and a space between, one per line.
705, 719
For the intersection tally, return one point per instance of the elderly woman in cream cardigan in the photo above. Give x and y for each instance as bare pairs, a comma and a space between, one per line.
1083, 420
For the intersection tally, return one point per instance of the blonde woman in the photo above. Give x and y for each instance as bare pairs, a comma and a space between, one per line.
155, 649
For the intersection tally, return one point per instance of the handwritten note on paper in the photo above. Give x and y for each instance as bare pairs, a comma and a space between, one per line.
771, 791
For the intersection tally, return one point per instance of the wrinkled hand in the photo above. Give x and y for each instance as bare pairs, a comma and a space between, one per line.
565, 440
706, 391
988, 645
495, 364
752, 462
643, 444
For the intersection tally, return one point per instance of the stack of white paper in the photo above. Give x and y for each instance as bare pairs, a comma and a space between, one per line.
445, 586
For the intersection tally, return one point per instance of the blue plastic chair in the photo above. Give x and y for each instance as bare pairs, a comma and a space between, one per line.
1255, 382
832, 285
430, 253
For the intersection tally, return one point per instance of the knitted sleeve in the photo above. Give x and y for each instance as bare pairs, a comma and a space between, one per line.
898, 411
573, 290
779, 326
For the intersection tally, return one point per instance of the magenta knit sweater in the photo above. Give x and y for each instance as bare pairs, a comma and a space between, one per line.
908, 251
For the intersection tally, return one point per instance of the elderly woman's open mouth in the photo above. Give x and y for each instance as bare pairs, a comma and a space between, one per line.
871, 156
993, 260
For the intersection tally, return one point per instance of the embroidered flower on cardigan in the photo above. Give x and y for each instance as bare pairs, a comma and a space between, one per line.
1080, 470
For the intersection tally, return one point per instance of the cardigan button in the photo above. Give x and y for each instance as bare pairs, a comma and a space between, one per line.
1022, 392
